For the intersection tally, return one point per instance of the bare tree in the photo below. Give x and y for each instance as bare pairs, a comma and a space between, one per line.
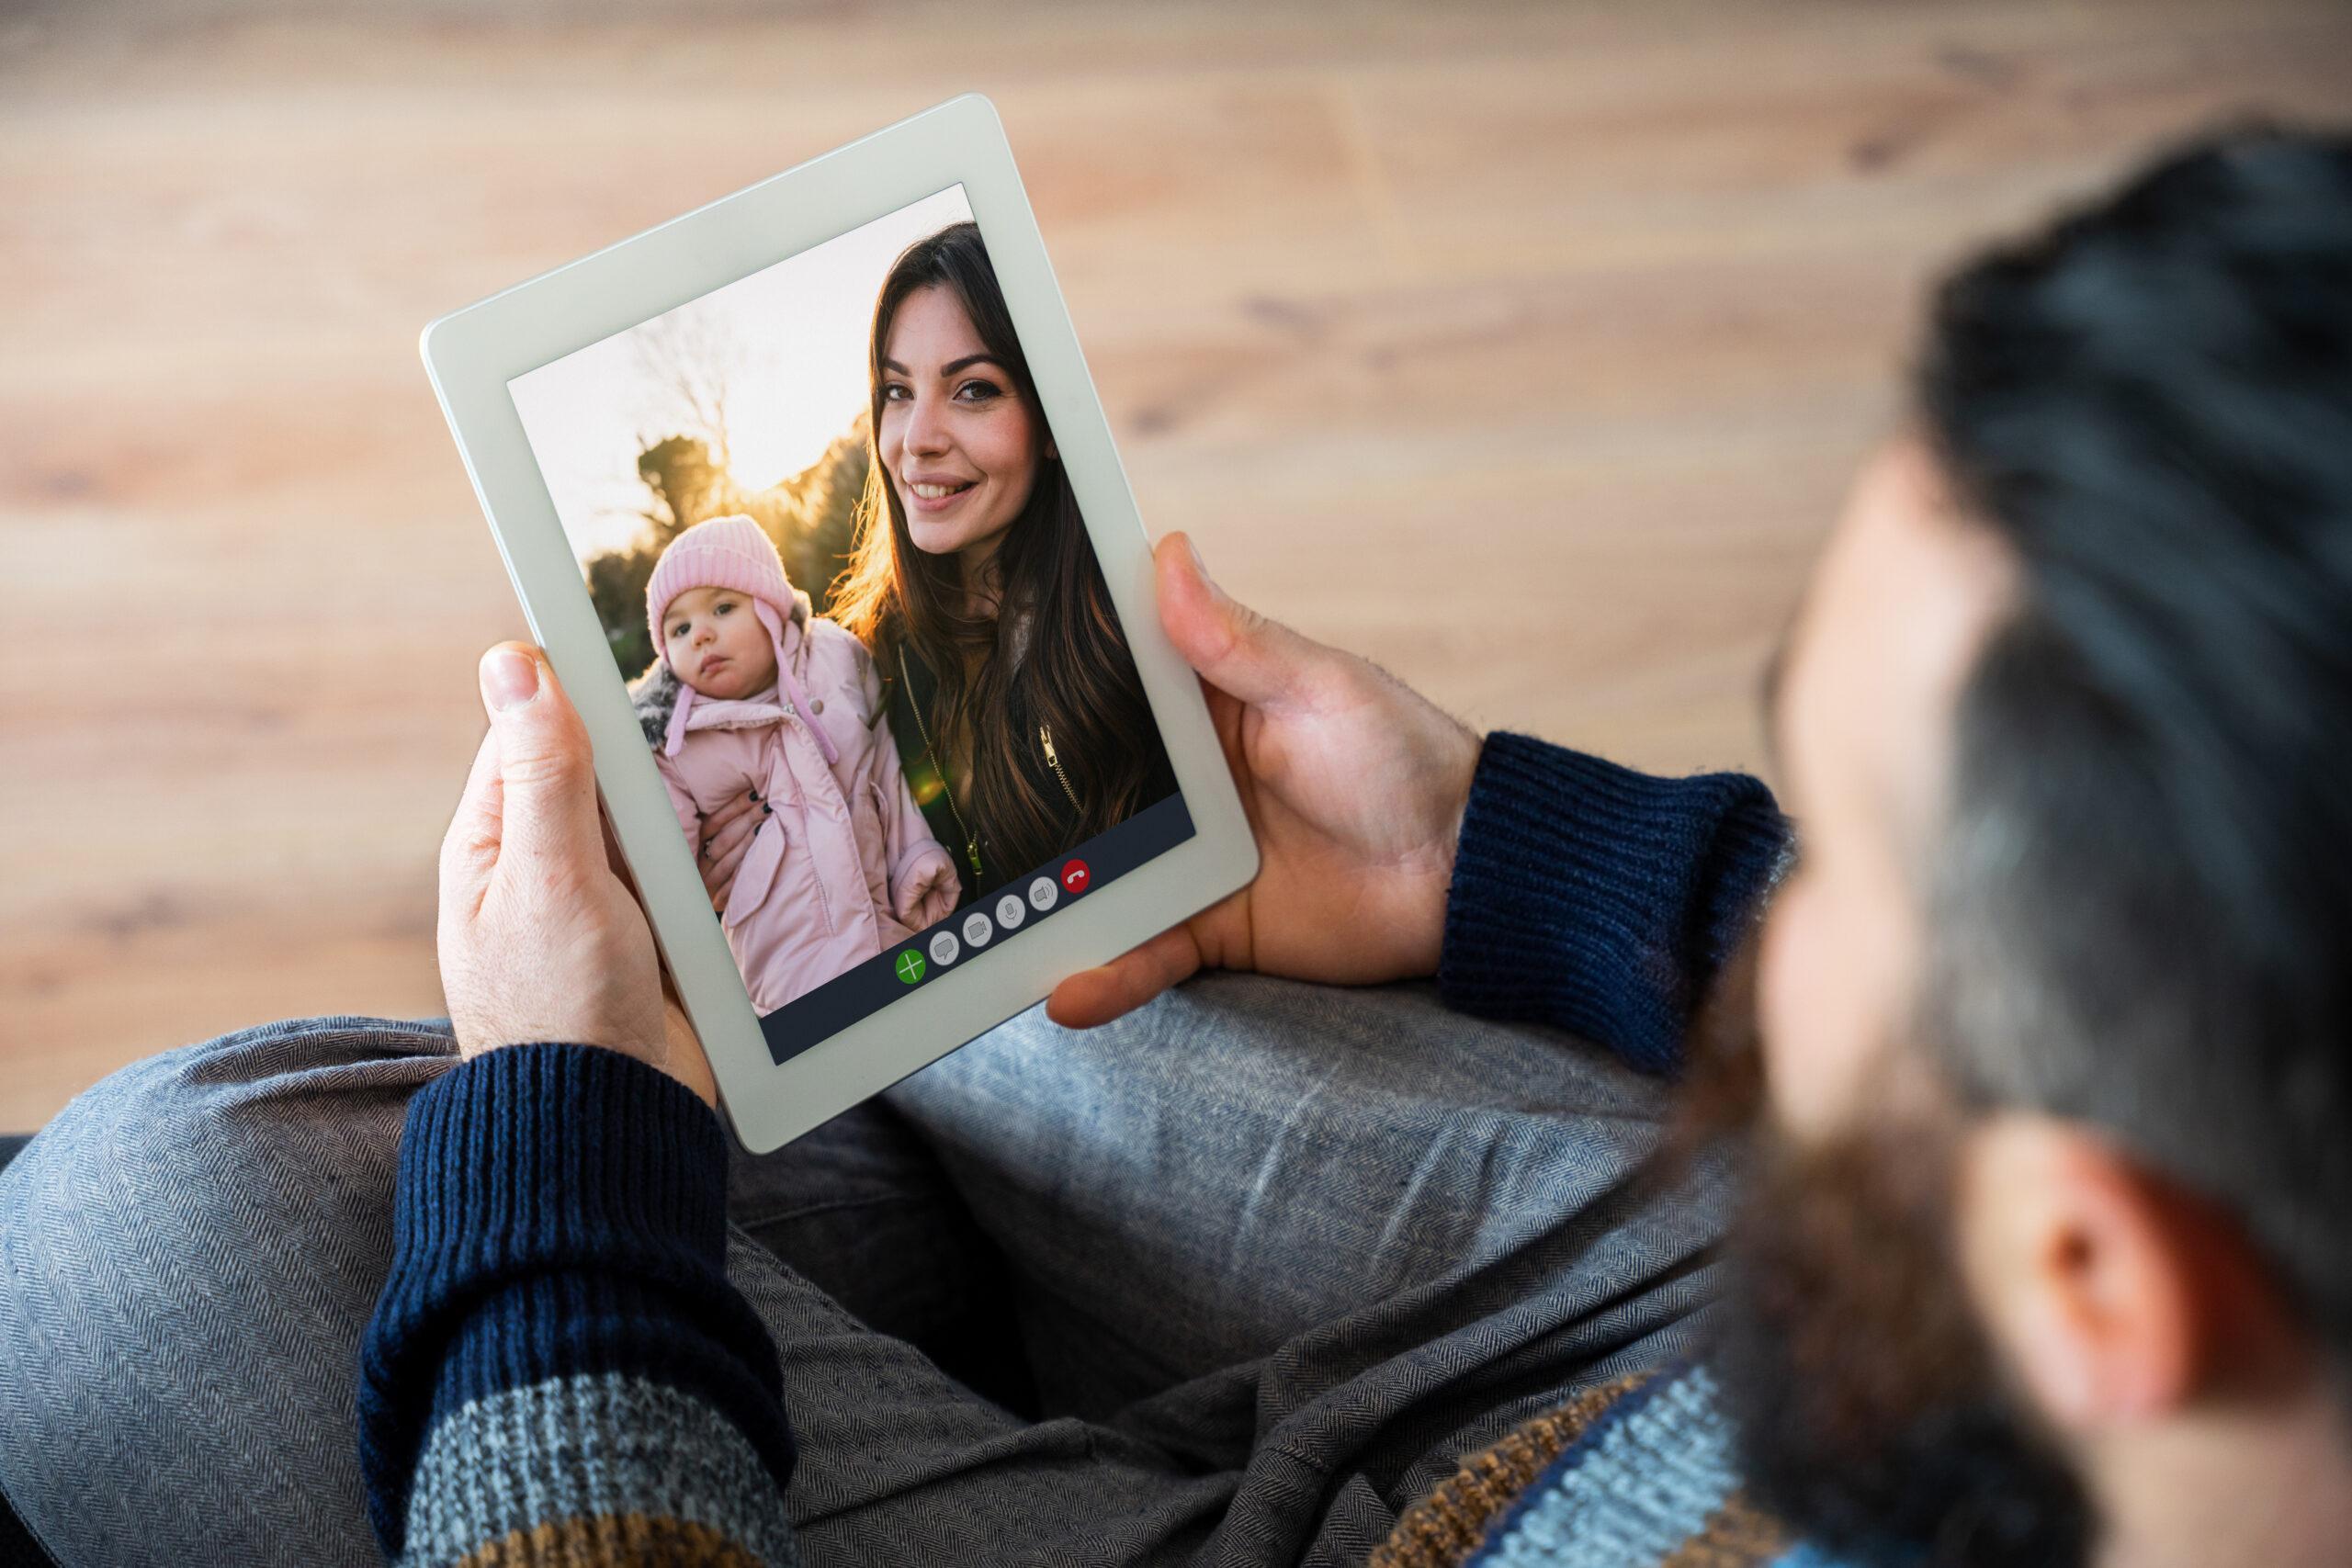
687, 362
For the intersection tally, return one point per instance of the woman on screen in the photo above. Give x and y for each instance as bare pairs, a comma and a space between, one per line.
1012, 697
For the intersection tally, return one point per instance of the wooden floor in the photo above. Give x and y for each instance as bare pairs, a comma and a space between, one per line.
1525, 348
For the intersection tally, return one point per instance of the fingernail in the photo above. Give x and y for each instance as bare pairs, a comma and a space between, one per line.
508, 678
755, 794
765, 808
1202, 567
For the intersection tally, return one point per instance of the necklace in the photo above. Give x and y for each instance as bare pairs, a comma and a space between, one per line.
946, 787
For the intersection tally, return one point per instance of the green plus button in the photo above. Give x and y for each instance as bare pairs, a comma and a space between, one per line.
911, 966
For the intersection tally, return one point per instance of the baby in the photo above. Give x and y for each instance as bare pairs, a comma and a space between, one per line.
766, 695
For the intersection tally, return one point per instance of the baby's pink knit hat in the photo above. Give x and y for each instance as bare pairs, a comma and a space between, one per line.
729, 552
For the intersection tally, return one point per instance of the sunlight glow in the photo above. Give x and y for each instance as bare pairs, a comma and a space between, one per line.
782, 351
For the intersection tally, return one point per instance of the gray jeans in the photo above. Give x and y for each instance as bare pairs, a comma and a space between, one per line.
1230, 1281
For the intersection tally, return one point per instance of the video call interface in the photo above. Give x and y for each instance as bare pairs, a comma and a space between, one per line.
781, 495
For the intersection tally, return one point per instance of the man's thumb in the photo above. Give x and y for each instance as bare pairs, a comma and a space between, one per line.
545, 771
1235, 648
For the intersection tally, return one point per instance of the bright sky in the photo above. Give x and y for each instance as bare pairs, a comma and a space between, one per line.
791, 340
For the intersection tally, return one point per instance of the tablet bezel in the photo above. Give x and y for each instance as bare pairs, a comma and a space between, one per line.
472, 354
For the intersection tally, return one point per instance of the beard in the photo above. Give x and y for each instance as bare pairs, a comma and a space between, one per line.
1870, 1409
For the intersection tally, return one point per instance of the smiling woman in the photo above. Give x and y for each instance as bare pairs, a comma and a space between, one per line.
1020, 719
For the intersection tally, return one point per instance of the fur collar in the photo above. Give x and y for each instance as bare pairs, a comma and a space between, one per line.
654, 695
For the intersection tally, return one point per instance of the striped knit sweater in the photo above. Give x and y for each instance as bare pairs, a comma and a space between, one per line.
1638, 1472
558, 1371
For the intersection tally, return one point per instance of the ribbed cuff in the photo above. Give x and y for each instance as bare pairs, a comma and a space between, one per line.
1599, 900
560, 1210
535, 1156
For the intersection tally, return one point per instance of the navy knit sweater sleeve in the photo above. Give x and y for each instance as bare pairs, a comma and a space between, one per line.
558, 1369
1600, 899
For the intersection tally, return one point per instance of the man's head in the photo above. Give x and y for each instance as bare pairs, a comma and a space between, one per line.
2054, 1197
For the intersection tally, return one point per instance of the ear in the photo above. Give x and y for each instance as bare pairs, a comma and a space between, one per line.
2086, 1271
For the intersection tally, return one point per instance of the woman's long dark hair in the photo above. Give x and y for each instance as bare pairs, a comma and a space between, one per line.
1074, 675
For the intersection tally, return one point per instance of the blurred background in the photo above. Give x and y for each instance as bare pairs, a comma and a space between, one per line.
1525, 348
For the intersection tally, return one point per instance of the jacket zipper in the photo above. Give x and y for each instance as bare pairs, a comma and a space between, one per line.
1045, 737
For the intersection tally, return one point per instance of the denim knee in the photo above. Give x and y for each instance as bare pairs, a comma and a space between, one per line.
188, 1253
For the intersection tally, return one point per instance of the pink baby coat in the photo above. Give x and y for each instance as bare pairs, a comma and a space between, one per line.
844, 866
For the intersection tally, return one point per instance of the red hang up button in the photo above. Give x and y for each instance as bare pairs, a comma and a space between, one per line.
1074, 874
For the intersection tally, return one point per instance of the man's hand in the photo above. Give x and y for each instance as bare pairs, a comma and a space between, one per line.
541, 937
1354, 784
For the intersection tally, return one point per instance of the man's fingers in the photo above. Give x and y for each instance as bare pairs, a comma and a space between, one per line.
548, 780
469, 849
1101, 994
1234, 647
684, 1057
612, 856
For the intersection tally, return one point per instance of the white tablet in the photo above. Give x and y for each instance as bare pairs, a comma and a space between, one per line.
810, 499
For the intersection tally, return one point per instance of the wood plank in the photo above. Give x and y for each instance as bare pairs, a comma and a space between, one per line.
1561, 327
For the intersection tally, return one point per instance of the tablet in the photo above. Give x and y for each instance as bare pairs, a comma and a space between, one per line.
810, 499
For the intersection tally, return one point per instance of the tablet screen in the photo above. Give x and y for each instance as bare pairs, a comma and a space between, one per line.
846, 581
